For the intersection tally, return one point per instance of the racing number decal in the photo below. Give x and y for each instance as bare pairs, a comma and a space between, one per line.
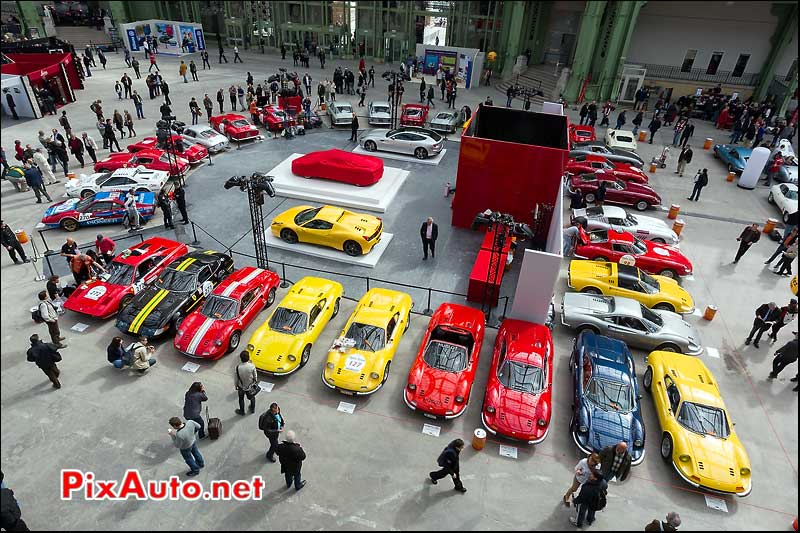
354, 362
207, 288
83, 217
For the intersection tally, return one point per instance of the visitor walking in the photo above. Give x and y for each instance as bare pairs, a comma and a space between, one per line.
184, 437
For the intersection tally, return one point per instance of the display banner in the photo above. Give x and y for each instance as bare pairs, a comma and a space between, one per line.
133, 40
200, 39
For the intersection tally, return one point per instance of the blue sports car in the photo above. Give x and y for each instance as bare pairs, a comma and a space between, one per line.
100, 208
606, 396
734, 156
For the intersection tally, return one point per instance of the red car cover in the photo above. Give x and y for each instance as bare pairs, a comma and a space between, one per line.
339, 165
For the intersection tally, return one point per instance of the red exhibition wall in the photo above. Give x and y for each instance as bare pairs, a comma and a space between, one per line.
510, 161
37, 65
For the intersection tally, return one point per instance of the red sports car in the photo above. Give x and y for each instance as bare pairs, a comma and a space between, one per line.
130, 270
234, 127
154, 159
414, 115
192, 151
338, 165
653, 258
580, 133
518, 394
216, 328
271, 116
638, 195
440, 380
595, 163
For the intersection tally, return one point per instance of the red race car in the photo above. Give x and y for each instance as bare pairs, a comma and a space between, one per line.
639, 195
271, 116
191, 151
130, 270
584, 164
338, 165
234, 127
216, 328
154, 159
581, 133
518, 394
414, 115
440, 380
653, 258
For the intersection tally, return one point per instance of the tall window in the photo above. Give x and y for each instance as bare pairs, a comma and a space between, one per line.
713, 64
792, 71
688, 60
741, 64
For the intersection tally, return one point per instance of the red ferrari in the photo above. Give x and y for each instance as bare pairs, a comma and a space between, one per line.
216, 328
338, 165
192, 151
584, 164
234, 127
414, 115
518, 394
131, 270
154, 159
653, 258
639, 195
581, 133
440, 380
271, 116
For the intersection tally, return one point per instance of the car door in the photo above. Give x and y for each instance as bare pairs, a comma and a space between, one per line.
102, 212
317, 319
403, 143
393, 334
249, 307
144, 161
627, 286
618, 249
629, 329
316, 231
118, 183
616, 193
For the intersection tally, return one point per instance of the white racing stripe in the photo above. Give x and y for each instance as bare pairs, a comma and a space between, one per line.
247, 279
198, 337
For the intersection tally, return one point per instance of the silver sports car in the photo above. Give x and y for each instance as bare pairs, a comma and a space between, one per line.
612, 154
206, 136
611, 217
421, 142
340, 113
380, 114
630, 321
447, 121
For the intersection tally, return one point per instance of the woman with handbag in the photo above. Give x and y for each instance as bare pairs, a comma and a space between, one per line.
246, 382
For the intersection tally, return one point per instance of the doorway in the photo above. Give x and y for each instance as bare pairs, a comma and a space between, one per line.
632, 80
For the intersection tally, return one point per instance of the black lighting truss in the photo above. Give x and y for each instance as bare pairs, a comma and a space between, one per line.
256, 185
393, 76
164, 128
503, 226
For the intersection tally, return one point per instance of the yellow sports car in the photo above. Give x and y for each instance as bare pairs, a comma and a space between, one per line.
612, 279
697, 435
359, 360
282, 344
331, 226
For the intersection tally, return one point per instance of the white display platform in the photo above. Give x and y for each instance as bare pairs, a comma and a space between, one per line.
368, 260
376, 197
402, 157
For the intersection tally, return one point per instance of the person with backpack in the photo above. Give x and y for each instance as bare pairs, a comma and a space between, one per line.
591, 498
246, 382
192, 406
45, 355
637, 121
448, 460
671, 523
615, 461
141, 352
183, 437
291, 456
271, 423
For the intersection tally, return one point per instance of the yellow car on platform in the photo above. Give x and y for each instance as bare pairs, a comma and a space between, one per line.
612, 279
359, 360
282, 344
696, 433
354, 233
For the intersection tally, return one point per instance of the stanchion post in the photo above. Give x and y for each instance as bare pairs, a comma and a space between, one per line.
284, 283
428, 311
195, 242
367, 283
46, 246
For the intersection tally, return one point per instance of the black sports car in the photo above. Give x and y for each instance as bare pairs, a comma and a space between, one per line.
175, 293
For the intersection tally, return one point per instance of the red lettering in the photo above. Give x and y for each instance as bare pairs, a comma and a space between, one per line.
132, 486
157, 490
191, 490
258, 487
71, 481
241, 490
220, 490
106, 491
89, 484
174, 487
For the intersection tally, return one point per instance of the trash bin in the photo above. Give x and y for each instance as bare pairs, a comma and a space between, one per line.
22, 237
652, 168
674, 209
770, 225
731, 176
677, 227
708, 144
479, 439
642, 136
710, 313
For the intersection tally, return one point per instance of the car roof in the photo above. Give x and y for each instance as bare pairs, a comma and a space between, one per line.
201, 258
609, 356
694, 379
611, 211
527, 342
145, 249
239, 282
138, 170
628, 307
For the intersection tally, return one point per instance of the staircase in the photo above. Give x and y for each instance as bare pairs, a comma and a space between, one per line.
79, 36
538, 77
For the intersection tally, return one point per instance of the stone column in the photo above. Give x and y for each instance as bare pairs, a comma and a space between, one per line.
584, 48
513, 16
787, 25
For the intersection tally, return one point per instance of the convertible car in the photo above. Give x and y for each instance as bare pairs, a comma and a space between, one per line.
354, 233
191, 151
359, 360
581, 133
584, 164
413, 115
216, 328
179, 288
697, 436
653, 258
611, 279
639, 195
518, 400
338, 165
605, 403
420, 142
125, 276
283, 343
612, 154
139, 179
153, 159
616, 218
735, 157
234, 127
102, 208
441, 377
631, 322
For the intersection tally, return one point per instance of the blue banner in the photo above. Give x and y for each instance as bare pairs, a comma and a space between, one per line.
133, 41
201, 41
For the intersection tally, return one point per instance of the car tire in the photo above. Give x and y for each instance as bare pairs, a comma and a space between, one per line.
305, 356
288, 236
668, 273
587, 327
591, 290
668, 347
142, 190
86, 193
666, 448
352, 248
233, 342
659, 240
716, 155
70, 224
647, 380
370, 146
270, 298
641, 205
663, 306
589, 198
126, 300
386, 372
600, 258
770, 198
421, 153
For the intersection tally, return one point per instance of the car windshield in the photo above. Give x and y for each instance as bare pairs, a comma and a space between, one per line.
639, 246
413, 112
220, 308
631, 220
208, 134
651, 316
366, 337
288, 321
609, 395
444, 116
83, 204
446, 356
344, 109
521, 377
304, 216
624, 138
380, 109
102, 178
649, 283
279, 113
118, 274
176, 280
704, 420
790, 194
241, 123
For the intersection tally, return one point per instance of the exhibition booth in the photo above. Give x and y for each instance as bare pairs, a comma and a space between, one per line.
466, 63
174, 38
26, 72
17, 89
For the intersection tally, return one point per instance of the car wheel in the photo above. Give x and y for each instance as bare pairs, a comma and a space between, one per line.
647, 382
659, 240
641, 205
86, 193
668, 347
666, 448
600, 258
421, 153
70, 224
142, 190
233, 343
587, 327
305, 356
126, 300
352, 248
668, 273
663, 306
386, 372
370, 146
591, 290
590, 198
716, 155
289, 236
270, 297
335, 308
770, 198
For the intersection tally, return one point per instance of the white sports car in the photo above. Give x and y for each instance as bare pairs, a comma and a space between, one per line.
206, 136
620, 139
784, 195
610, 217
138, 178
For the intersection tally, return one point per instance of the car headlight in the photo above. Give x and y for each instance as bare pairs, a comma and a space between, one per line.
250, 347
583, 429
218, 342
291, 358
541, 422
411, 386
459, 399
684, 458
490, 410
374, 375
180, 332
329, 365
744, 471
638, 443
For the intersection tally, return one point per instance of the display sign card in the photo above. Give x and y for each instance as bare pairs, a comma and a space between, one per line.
345, 407
265, 386
80, 327
430, 429
508, 451
718, 504
190, 367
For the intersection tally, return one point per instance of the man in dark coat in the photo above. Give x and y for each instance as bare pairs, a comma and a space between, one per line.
785, 355
684, 158
180, 200
11, 243
671, 523
591, 118
654, 126
588, 499
166, 209
45, 355
271, 423
688, 131
749, 237
615, 461
34, 179
10, 514
429, 232
600, 193
700, 181
583, 112
766, 316
291, 456
448, 460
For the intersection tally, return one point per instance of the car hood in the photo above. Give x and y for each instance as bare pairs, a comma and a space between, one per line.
268, 344
516, 411
669, 253
437, 389
96, 298
166, 302
607, 428
715, 460
676, 325
380, 114
199, 333
627, 153
59, 208
681, 298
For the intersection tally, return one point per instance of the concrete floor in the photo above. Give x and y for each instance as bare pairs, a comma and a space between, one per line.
367, 470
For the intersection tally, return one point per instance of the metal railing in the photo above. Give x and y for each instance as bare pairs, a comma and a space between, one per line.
62, 267
670, 72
